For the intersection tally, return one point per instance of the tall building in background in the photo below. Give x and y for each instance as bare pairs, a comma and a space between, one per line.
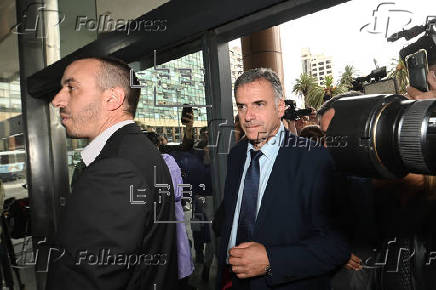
317, 65
165, 89
236, 68
10, 116
175, 83
10, 99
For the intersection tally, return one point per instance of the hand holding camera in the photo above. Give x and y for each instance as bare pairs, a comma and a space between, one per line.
415, 94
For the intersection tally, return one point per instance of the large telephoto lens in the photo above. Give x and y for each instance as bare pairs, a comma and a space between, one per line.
383, 136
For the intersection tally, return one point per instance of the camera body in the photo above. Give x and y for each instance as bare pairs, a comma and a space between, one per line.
418, 69
427, 42
376, 83
292, 114
185, 111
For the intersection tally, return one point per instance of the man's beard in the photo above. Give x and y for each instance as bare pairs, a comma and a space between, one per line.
88, 116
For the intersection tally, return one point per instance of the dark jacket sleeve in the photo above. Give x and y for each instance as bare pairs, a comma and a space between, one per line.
325, 248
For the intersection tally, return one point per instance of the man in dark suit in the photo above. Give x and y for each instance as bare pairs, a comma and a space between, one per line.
109, 234
277, 232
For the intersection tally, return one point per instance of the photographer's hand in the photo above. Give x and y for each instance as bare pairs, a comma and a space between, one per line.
354, 263
431, 80
415, 94
189, 122
290, 125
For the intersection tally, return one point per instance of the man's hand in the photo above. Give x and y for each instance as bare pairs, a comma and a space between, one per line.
290, 125
248, 260
188, 119
414, 181
189, 122
415, 94
354, 263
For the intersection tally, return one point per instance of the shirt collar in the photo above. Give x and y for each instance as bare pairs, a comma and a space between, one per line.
93, 149
273, 144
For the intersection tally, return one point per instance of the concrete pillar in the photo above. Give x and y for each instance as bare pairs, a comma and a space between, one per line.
263, 49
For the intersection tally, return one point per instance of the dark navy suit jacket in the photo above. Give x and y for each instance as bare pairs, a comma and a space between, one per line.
294, 222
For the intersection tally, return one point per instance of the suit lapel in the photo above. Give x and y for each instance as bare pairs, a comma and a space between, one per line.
239, 156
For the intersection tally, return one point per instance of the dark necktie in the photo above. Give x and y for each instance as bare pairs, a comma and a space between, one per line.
247, 213
78, 169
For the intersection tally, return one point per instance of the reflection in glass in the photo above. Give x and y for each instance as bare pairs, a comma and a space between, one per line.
168, 86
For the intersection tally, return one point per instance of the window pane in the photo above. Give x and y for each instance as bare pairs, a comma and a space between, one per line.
177, 82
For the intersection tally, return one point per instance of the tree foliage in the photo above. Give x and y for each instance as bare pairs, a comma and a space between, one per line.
307, 86
400, 73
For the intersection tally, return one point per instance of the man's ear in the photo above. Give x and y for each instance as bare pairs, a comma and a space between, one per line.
113, 98
281, 108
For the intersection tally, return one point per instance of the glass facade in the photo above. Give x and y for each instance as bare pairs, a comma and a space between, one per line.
12, 154
10, 99
166, 88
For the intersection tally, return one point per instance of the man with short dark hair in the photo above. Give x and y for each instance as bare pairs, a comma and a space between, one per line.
277, 232
108, 235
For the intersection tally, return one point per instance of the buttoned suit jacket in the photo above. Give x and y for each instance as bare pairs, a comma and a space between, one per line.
293, 223
110, 231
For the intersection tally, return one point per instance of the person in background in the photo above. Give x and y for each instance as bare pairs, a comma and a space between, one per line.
187, 141
184, 257
312, 132
290, 126
203, 206
163, 140
194, 161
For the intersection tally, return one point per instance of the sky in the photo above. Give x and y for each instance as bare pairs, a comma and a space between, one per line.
337, 32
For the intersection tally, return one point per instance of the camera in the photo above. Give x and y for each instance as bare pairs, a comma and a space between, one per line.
417, 66
419, 54
427, 41
185, 111
292, 114
386, 135
375, 83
